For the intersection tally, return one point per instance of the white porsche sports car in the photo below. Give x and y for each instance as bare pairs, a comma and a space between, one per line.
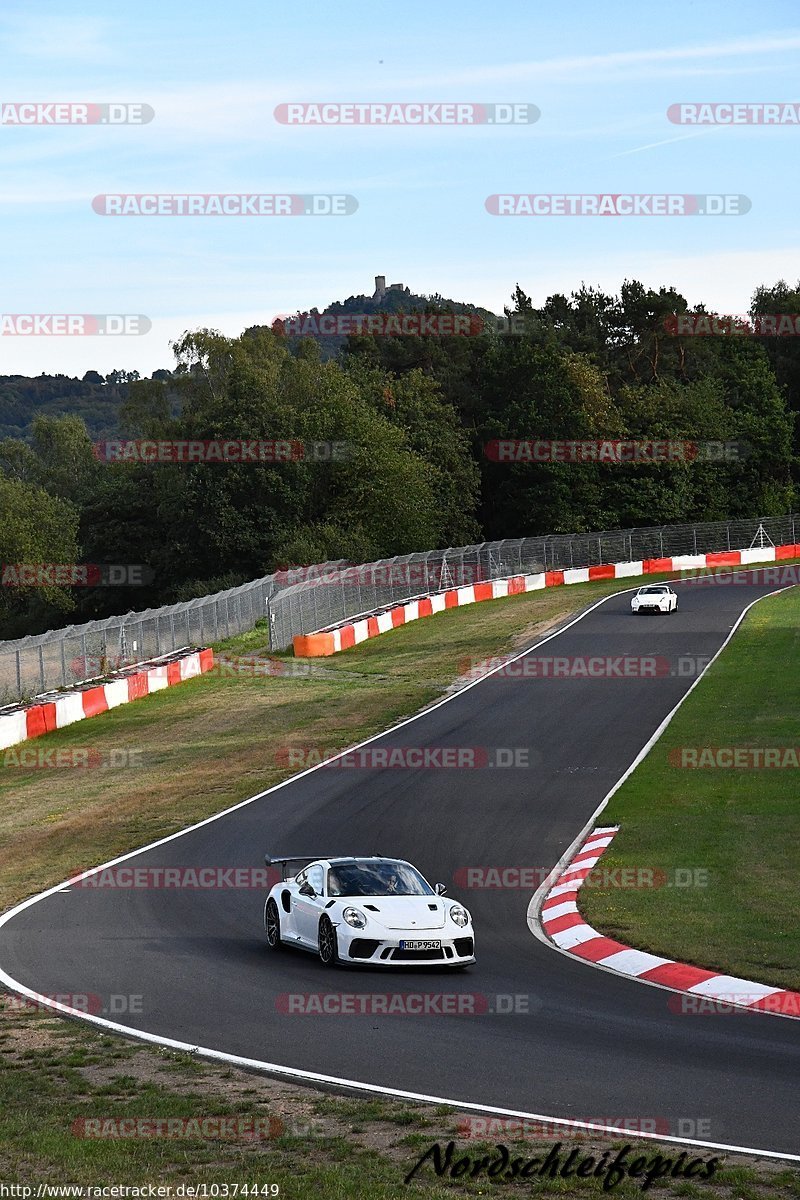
377, 911
655, 597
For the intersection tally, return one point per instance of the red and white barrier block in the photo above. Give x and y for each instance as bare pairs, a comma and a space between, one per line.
563, 924
45, 715
341, 637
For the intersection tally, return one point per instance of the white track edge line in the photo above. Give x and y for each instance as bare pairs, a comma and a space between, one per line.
423, 712
398, 1093
540, 895
315, 1077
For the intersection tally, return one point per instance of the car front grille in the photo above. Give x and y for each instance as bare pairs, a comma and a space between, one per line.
465, 947
363, 948
417, 955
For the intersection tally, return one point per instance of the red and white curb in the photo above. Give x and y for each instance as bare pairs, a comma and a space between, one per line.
564, 925
331, 640
297, 1074
45, 715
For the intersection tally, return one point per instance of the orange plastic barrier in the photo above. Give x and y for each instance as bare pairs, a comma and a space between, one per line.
313, 645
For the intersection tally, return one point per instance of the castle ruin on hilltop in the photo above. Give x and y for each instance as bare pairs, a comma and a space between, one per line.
381, 289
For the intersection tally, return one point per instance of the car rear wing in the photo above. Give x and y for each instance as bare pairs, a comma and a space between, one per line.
295, 858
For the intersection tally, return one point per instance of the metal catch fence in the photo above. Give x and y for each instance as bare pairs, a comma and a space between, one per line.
343, 593
306, 599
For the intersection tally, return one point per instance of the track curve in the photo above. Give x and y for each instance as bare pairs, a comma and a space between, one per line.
591, 1045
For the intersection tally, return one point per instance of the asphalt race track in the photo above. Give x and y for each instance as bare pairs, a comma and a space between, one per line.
591, 1046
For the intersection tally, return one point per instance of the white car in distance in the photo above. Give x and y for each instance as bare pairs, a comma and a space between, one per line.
655, 598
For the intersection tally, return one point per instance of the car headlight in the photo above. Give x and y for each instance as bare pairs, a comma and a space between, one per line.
459, 915
355, 917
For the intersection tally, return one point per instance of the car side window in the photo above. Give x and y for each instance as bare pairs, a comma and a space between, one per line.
316, 876
301, 877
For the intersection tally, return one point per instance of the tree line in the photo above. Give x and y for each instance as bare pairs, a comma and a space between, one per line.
416, 414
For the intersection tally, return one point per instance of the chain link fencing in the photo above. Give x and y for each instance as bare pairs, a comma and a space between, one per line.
35, 665
307, 599
345, 593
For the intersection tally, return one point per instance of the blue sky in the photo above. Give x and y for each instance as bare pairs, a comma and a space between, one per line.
603, 77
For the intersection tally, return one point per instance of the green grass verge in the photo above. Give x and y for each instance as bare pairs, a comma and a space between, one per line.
197, 748
201, 747
56, 1074
738, 826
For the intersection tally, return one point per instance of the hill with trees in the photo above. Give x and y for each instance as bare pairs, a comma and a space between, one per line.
416, 414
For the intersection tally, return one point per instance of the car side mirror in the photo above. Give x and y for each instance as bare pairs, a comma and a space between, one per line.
440, 889
307, 890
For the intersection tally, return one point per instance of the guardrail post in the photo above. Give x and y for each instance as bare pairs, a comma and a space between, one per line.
317, 624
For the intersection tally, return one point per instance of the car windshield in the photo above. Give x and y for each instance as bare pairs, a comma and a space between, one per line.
652, 591
379, 878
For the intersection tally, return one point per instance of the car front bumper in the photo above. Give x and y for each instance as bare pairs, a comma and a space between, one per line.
386, 952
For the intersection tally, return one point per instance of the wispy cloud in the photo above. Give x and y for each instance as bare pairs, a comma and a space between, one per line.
683, 137
578, 68
63, 39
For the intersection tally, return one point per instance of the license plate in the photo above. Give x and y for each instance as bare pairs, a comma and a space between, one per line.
429, 944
